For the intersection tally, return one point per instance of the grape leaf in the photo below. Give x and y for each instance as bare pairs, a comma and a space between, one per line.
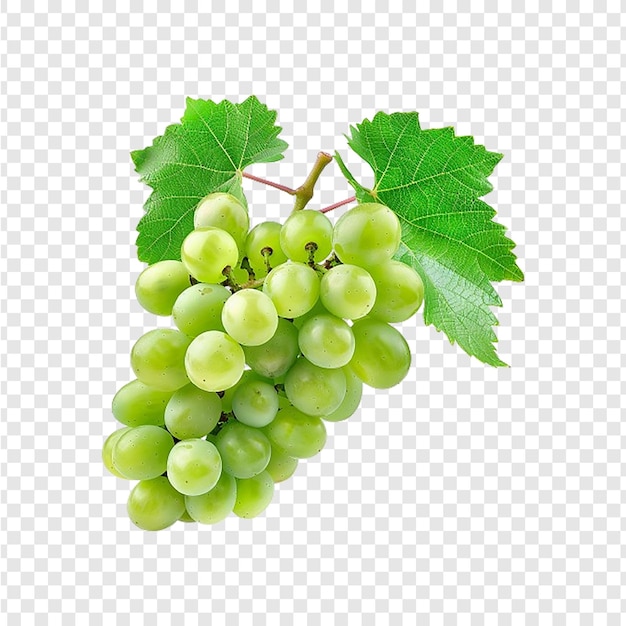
205, 153
433, 180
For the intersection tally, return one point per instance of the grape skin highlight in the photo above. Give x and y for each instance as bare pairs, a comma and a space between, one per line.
327, 341
207, 251
367, 235
303, 228
214, 361
250, 317
348, 291
194, 466
294, 289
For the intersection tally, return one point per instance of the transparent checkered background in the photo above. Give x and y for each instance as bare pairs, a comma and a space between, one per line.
466, 495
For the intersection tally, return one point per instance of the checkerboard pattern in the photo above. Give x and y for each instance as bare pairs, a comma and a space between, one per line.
466, 495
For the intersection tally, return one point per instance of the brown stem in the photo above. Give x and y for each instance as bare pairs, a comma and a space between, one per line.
304, 193
337, 205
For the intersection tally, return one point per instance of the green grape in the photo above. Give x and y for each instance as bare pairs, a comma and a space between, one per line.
249, 317
348, 291
199, 308
136, 404
274, 357
279, 380
253, 495
255, 403
399, 292
192, 413
326, 341
141, 453
155, 504
245, 450
160, 284
281, 465
158, 359
367, 235
107, 450
298, 435
283, 401
304, 228
318, 309
293, 287
315, 390
214, 361
248, 375
215, 505
381, 356
354, 391
194, 466
185, 517
264, 237
223, 210
207, 251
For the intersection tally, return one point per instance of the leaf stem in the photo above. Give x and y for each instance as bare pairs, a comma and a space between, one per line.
337, 205
284, 188
305, 192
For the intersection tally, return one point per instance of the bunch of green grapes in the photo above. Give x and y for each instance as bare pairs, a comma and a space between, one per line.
277, 328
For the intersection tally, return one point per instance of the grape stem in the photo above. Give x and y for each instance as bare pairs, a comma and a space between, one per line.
230, 279
245, 265
251, 283
284, 188
337, 205
304, 193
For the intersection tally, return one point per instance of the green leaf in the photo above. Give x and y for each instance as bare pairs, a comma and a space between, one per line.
433, 180
205, 153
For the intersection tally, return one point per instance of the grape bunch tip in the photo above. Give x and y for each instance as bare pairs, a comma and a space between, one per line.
276, 330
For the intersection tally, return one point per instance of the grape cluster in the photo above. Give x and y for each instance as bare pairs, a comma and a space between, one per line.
277, 329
